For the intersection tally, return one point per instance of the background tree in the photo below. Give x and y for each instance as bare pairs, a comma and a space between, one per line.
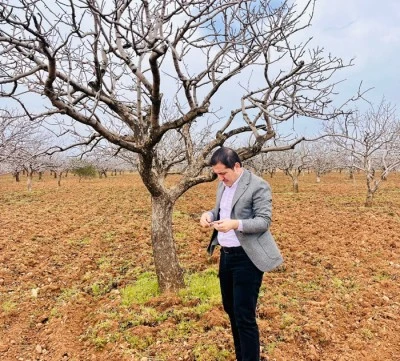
233, 67
264, 163
83, 169
293, 162
373, 141
22, 146
322, 157
15, 131
58, 165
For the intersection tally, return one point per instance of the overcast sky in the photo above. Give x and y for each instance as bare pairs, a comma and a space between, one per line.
369, 31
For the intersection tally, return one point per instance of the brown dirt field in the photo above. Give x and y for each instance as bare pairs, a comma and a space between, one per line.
66, 252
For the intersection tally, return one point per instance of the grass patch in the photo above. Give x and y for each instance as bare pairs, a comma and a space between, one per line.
179, 215
101, 334
382, 276
203, 286
68, 294
79, 242
287, 320
108, 236
140, 343
141, 291
8, 307
206, 352
103, 263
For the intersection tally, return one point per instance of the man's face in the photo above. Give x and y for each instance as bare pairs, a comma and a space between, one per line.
227, 175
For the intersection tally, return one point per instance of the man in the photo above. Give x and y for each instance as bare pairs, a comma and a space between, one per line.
241, 220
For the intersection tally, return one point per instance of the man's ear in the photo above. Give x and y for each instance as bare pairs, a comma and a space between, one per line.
237, 165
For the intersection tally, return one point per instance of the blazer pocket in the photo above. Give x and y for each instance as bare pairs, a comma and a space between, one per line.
268, 244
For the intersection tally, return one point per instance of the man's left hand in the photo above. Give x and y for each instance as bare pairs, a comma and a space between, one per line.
225, 225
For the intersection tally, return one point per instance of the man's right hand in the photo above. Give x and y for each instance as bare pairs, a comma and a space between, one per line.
206, 219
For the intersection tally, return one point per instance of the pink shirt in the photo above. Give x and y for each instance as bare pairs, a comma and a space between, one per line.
229, 238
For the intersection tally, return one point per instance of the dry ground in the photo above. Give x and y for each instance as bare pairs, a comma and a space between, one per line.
67, 253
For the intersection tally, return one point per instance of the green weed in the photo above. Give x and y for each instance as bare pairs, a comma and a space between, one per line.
204, 352
79, 242
382, 276
203, 286
140, 343
8, 307
141, 291
68, 294
367, 334
287, 320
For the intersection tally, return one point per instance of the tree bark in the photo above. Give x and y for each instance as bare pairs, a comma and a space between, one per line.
29, 181
369, 199
59, 179
295, 185
169, 272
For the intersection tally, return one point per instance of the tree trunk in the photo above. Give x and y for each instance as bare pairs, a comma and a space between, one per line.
169, 272
16, 175
295, 185
369, 199
29, 181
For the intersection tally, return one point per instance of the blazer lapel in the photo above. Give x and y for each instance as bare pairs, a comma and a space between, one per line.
242, 186
220, 191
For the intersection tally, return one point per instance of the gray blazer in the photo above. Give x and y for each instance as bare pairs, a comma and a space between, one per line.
252, 203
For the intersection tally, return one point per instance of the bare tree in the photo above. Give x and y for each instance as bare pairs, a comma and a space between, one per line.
22, 146
32, 160
58, 164
264, 163
14, 130
372, 140
232, 66
293, 162
322, 157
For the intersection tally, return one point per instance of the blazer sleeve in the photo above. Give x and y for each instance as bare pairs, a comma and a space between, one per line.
261, 212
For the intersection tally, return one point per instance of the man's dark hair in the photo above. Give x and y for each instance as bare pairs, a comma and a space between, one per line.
227, 156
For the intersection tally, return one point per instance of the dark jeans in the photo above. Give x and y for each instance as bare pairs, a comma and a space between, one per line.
240, 283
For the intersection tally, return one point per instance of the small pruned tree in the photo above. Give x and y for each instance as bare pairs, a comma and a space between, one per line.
84, 170
372, 141
322, 157
293, 162
232, 67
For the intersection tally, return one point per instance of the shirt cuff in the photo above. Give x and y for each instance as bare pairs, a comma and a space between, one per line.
240, 227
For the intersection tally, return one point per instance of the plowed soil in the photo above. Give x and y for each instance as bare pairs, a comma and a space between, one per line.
66, 252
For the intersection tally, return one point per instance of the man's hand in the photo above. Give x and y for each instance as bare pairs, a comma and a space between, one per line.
225, 225
206, 219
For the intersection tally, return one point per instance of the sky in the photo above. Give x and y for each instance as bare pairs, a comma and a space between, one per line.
368, 31
365, 31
